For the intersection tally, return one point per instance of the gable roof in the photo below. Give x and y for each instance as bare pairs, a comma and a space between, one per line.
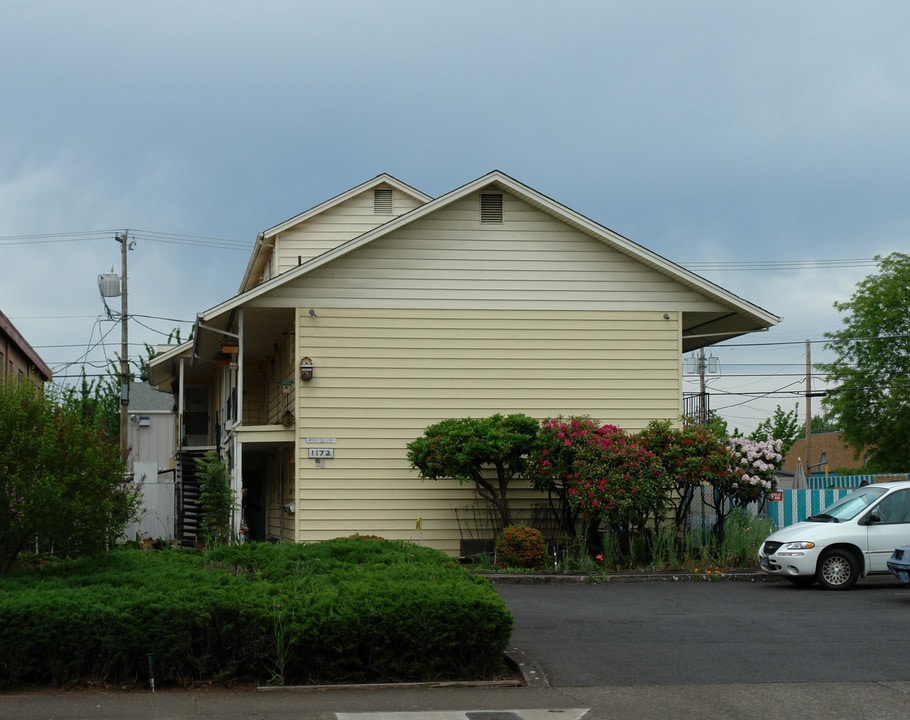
145, 398
7, 328
738, 317
265, 239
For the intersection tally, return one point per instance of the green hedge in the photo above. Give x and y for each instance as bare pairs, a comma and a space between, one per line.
348, 610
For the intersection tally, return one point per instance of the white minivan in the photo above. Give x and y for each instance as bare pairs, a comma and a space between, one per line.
852, 538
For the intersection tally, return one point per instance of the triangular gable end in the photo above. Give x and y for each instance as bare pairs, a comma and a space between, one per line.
731, 316
302, 243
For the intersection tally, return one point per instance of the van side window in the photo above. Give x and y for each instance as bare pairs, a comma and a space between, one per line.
895, 508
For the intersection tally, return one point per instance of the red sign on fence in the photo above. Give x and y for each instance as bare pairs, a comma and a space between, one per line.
776, 496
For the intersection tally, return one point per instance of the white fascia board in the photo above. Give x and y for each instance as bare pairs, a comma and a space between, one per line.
161, 365
383, 179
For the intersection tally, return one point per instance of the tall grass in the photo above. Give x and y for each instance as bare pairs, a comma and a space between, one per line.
665, 550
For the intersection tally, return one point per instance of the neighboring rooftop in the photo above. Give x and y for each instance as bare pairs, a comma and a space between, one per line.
11, 337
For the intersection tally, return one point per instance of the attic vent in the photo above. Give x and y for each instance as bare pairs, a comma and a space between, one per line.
382, 201
491, 208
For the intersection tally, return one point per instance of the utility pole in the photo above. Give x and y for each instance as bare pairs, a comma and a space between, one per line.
809, 406
124, 240
702, 397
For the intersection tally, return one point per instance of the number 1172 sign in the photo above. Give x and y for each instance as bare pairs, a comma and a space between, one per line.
320, 453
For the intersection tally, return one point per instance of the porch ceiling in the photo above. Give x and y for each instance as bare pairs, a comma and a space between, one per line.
261, 328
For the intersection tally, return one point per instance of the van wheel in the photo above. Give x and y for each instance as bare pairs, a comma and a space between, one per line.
838, 569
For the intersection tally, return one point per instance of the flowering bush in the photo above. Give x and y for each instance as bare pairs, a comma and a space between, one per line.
755, 463
551, 465
618, 480
554, 459
692, 456
522, 547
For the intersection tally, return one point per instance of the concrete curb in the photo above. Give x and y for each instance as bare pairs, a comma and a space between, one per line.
388, 686
531, 672
663, 576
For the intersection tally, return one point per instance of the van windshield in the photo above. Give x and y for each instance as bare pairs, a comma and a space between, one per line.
850, 506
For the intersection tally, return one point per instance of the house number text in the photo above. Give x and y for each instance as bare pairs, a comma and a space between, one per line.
320, 453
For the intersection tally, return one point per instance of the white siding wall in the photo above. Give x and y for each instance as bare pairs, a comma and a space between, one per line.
154, 441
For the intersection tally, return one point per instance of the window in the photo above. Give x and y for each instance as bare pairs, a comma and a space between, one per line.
491, 208
895, 508
382, 201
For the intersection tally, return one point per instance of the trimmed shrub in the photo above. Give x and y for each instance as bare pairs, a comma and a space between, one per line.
521, 546
351, 610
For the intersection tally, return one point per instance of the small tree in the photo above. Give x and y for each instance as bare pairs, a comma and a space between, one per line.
216, 499
784, 426
98, 401
464, 448
61, 476
691, 456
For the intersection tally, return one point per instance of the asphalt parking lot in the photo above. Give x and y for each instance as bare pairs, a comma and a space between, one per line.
712, 632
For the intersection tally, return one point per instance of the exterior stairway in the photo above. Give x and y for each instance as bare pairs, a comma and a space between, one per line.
189, 509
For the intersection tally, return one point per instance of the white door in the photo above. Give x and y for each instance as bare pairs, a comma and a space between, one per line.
890, 527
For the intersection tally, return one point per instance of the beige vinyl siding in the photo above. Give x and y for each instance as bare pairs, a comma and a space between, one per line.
448, 317
335, 226
382, 376
531, 261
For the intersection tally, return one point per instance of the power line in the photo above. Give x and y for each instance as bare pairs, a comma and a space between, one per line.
243, 245
178, 239
150, 235
779, 264
78, 236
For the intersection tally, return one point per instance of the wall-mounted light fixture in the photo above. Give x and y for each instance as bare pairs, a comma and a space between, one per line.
306, 369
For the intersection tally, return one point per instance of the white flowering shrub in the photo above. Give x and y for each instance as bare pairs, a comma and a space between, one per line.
755, 463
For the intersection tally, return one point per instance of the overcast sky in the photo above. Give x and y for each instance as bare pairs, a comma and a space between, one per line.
762, 145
